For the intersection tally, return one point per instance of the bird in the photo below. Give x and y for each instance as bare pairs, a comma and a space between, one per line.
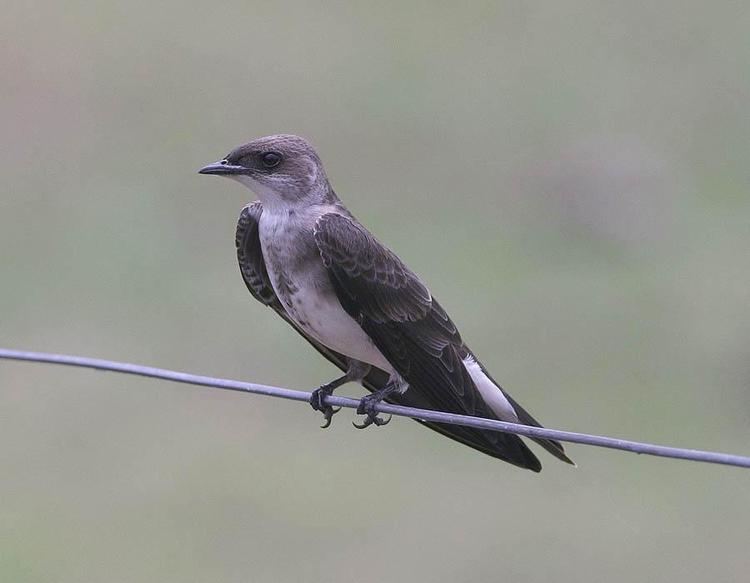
302, 253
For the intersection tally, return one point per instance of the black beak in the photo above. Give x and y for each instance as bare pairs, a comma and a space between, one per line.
222, 168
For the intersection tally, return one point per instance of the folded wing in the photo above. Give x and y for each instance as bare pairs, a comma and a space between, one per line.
412, 331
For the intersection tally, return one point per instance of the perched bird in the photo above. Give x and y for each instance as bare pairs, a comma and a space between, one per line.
302, 253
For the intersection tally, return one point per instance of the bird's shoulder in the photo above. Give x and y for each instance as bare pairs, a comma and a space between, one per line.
369, 274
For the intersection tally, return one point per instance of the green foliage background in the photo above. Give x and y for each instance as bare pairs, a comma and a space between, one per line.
571, 178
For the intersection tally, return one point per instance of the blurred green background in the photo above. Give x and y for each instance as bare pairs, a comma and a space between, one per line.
572, 180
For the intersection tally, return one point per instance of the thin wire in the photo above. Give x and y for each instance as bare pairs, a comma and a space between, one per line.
421, 414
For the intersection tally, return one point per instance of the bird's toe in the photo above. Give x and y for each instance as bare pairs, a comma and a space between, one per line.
318, 403
367, 407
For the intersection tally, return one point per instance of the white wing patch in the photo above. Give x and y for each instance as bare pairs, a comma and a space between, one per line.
491, 393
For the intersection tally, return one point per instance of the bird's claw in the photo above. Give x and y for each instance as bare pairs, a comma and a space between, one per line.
317, 402
328, 413
372, 420
367, 407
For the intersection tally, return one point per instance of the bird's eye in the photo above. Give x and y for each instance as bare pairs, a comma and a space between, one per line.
271, 159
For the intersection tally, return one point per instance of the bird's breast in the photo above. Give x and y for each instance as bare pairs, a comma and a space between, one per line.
294, 266
302, 285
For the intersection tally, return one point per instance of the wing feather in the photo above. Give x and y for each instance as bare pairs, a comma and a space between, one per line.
409, 327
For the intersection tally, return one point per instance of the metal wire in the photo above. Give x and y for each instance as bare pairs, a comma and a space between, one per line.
422, 414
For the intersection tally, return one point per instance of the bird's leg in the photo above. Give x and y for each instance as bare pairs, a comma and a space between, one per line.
317, 399
367, 406
356, 372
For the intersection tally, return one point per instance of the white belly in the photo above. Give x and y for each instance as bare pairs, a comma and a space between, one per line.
301, 283
324, 319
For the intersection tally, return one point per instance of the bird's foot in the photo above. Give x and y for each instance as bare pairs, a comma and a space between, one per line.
367, 407
317, 402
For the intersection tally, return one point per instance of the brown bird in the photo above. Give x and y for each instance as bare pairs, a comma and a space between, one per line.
302, 253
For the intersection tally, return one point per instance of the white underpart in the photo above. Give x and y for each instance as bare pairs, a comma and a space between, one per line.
491, 393
313, 306
322, 316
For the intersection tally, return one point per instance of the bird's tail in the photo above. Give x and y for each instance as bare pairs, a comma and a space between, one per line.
501, 403
552, 446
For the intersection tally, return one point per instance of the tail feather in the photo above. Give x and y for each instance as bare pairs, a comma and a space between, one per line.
524, 417
552, 446
503, 446
508, 448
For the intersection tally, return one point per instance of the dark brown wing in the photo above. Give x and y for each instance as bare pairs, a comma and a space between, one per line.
250, 256
411, 330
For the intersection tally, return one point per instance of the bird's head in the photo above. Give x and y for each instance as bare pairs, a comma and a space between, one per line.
283, 170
